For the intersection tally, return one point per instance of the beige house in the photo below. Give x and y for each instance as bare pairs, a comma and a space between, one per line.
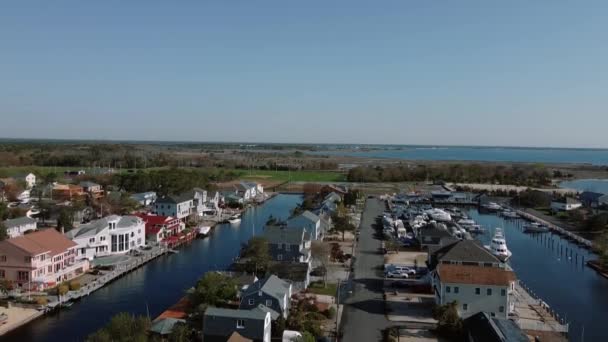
40, 259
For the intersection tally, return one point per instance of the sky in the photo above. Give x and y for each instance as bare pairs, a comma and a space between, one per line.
513, 73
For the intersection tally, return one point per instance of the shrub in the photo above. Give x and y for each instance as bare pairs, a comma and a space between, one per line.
62, 289
41, 300
74, 285
330, 313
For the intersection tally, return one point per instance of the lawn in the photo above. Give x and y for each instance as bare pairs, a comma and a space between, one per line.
317, 288
294, 176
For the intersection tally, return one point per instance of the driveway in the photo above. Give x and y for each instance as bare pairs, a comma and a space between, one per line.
364, 317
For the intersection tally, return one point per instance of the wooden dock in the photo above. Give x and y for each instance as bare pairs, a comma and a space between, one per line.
556, 229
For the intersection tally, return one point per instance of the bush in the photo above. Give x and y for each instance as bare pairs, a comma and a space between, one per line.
41, 300
74, 285
62, 289
330, 313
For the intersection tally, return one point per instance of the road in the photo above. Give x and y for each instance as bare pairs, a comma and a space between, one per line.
364, 317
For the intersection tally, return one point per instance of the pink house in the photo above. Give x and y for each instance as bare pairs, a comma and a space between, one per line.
40, 259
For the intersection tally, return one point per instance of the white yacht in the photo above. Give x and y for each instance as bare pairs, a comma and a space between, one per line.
204, 230
498, 245
438, 215
535, 227
492, 206
234, 219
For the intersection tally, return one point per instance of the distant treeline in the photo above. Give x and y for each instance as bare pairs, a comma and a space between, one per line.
463, 173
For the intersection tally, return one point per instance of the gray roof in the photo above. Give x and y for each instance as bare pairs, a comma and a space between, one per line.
465, 251
272, 286
95, 227
232, 313
20, 221
282, 234
263, 308
175, 199
482, 327
434, 231
165, 325
88, 184
590, 196
567, 200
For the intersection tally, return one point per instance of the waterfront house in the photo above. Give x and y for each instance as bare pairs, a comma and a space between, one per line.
66, 191
288, 244
432, 237
248, 190
109, 235
219, 325
93, 189
310, 221
592, 199
159, 228
468, 273
340, 190
144, 198
565, 204
269, 294
481, 327
175, 206
29, 179
40, 259
18, 226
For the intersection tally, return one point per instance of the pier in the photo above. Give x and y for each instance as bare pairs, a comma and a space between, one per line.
532, 313
556, 229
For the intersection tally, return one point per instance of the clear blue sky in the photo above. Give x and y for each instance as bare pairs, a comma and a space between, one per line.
526, 73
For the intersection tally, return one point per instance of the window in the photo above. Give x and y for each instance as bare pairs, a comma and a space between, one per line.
268, 303
91, 240
503, 292
492, 314
240, 324
287, 247
83, 251
28, 259
448, 289
3, 258
477, 290
2, 274
251, 302
23, 276
465, 307
50, 269
132, 234
280, 257
501, 309
489, 292
455, 289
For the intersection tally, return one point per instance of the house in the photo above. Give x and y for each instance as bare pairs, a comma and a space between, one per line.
66, 191
340, 190
565, 204
288, 244
160, 227
273, 293
175, 206
28, 178
18, 226
40, 259
108, 236
91, 188
467, 273
481, 327
219, 325
248, 190
332, 197
199, 198
432, 237
310, 221
211, 205
74, 173
296, 273
593, 199
144, 198
163, 326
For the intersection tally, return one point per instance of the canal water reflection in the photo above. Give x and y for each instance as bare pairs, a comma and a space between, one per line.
160, 283
554, 269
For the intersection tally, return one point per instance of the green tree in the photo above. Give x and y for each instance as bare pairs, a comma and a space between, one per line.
214, 289
306, 337
4, 212
65, 219
3, 232
180, 333
123, 327
601, 248
597, 222
320, 252
449, 323
257, 254
5, 286
342, 225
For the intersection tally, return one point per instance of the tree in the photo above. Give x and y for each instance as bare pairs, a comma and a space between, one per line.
5, 286
4, 212
350, 198
214, 289
306, 337
320, 252
65, 219
180, 333
342, 225
123, 327
278, 327
449, 323
601, 248
3, 232
597, 222
257, 254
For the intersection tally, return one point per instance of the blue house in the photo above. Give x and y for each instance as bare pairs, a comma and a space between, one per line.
310, 221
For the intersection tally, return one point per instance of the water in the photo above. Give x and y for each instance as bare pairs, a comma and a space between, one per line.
595, 185
496, 154
543, 263
157, 285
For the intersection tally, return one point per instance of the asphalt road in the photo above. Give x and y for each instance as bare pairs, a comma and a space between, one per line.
364, 317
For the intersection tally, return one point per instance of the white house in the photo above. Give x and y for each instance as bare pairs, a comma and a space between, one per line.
565, 204
18, 226
144, 198
248, 191
28, 178
176, 206
109, 235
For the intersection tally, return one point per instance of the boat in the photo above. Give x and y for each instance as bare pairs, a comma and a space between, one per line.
67, 305
475, 229
203, 230
438, 215
498, 246
491, 206
509, 214
535, 227
234, 219
466, 222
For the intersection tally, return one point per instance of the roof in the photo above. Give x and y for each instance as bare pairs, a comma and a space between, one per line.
88, 184
95, 227
236, 337
474, 275
590, 196
567, 200
271, 285
434, 231
156, 219
465, 251
20, 221
174, 199
177, 310
482, 327
282, 234
232, 313
42, 241
164, 326
263, 308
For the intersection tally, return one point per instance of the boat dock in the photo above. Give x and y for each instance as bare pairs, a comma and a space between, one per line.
556, 229
533, 314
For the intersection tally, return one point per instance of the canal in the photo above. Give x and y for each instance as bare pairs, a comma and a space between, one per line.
159, 284
555, 270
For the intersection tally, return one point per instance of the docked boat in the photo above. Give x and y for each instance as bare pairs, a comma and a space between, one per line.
535, 227
438, 215
498, 245
475, 229
491, 206
204, 230
234, 219
509, 214
466, 222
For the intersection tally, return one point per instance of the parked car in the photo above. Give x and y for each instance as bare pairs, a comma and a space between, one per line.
397, 274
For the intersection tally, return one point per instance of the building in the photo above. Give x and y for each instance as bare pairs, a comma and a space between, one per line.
565, 204
66, 191
310, 221
481, 327
144, 198
271, 293
432, 237
248, 190
40, 259
159, 228
175, 206
109, 235
29, 179
593, 199
219, 325
467, 273
18, 226
93, 189
288, 244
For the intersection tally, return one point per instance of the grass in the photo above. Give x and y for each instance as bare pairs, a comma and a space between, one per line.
294, 176
317, 288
